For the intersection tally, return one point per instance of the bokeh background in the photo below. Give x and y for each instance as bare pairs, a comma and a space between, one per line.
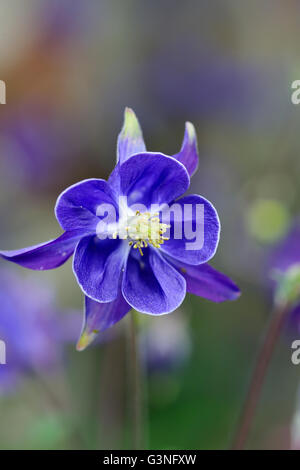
71, 66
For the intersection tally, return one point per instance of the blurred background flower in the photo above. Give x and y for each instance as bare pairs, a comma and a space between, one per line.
284, 274
70, 68
295, 427
165, 345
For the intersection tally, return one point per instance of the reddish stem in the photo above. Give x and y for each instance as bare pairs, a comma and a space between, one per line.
258, 376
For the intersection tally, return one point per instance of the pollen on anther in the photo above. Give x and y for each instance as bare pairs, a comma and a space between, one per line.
145, 229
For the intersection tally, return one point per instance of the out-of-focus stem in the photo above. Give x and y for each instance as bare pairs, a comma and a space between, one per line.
56, 403
259, 373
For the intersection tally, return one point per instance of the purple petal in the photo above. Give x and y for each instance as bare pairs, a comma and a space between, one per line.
99, 317
151, 285
188, 154
130, 139
97, 267
152, 178
197, 228
205, 281
76, 207
47, 255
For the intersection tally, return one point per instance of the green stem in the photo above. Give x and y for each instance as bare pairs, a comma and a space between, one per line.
136, 387
259, 374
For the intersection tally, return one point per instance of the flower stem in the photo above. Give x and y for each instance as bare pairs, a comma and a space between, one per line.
259, 373
136, 387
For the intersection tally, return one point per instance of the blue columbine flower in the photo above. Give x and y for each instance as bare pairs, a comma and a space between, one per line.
150, 273
32, 328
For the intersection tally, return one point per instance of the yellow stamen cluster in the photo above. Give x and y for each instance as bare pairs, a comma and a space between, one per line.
145, 229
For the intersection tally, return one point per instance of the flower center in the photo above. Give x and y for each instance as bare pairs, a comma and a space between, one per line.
144, 229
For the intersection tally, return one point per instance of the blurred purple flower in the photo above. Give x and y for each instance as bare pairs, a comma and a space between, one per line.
36, 142
114, 276
284, 265
189, 80
31, 327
